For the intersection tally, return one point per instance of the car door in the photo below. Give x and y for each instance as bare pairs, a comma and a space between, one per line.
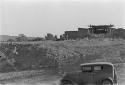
97, 73
86, 77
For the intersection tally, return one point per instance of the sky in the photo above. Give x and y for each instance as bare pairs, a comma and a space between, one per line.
39, 17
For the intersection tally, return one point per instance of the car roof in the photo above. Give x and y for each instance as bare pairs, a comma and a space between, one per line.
97, 63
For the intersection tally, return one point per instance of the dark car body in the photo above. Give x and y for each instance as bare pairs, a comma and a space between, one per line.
91, 73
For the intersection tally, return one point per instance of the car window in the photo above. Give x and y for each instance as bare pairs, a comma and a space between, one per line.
98, 68
86, 68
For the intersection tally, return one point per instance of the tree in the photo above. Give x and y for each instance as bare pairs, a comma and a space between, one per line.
37, 39
10, 40
49, 36
62, 37
21, 37
55, 37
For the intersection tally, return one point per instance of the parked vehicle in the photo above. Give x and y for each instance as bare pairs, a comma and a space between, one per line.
99, 73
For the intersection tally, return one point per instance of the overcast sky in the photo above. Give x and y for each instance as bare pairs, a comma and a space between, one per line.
39, 17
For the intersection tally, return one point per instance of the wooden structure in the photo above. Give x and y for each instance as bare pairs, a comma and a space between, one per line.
101, 30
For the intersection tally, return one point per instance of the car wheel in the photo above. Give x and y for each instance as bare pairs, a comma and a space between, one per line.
107, 82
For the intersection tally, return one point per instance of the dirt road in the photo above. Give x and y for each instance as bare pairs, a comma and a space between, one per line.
36, 80
53, 79
48, 80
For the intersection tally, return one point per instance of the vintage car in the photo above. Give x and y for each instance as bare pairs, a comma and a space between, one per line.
99, 73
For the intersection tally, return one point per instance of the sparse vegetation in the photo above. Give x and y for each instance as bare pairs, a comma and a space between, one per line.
63, 54
60, 56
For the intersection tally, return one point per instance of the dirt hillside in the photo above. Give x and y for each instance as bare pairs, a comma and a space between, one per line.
64, 55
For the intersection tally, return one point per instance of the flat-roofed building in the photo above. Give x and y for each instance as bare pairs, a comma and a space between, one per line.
83, 32
71, 35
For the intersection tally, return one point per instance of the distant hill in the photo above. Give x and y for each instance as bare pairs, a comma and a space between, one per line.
7, 37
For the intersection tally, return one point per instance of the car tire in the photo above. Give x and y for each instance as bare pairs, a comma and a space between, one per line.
107, 82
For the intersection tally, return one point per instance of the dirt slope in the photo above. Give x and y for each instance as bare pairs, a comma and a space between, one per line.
65, 55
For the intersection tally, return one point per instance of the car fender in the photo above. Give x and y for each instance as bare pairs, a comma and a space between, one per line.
74, 83
109, 78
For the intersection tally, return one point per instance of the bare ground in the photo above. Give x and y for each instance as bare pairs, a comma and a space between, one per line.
53, 79
68, 51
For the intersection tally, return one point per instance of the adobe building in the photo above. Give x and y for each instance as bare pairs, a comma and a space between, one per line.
93, 31
71, 35
80, 34
83, 32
